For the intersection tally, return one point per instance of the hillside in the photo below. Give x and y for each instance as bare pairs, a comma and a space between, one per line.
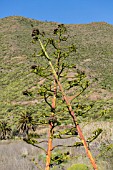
94, 43
18, 112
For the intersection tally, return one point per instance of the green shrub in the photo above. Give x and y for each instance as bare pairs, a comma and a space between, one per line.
78, 167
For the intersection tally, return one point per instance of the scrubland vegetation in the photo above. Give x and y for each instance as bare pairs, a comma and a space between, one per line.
31, 102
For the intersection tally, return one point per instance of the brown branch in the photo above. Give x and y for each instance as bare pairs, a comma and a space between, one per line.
45, 98
77, 144
70, 109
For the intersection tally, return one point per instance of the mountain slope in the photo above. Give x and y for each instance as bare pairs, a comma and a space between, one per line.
94, 43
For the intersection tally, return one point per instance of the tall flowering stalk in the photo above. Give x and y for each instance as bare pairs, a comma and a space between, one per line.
56, 73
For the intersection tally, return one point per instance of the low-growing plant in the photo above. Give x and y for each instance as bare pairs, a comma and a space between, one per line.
78, 167
5, 130
106, 154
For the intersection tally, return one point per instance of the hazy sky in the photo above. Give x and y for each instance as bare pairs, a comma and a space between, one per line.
63, 11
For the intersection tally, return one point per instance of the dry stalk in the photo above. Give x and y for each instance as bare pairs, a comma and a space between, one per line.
70, 109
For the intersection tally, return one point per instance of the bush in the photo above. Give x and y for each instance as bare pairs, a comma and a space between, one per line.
78, 167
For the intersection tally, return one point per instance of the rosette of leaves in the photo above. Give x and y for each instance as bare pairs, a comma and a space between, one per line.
25, 123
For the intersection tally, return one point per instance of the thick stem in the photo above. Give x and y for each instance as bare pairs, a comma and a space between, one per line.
48, 158
70, 110
54, 96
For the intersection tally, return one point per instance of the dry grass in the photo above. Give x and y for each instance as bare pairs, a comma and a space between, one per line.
106, 135
17, 155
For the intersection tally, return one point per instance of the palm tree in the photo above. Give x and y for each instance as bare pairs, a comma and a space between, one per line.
25, 123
